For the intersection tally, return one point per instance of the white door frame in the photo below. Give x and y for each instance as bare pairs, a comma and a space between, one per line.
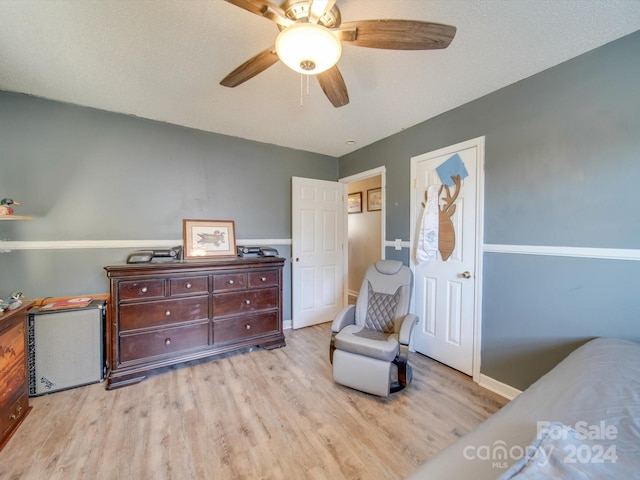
374, 172
478, 142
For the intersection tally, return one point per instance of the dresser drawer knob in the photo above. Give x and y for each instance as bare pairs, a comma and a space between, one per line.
167, 313
15, 415
188, 285
144, 290
231, 282
167, 341
263, 279
247, 326
248, 302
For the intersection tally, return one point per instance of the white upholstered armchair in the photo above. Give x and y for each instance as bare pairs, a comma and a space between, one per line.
370, 341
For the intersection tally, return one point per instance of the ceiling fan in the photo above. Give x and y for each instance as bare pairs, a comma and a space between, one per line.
311, 37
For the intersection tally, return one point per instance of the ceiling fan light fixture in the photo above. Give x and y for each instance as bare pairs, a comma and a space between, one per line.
308, 48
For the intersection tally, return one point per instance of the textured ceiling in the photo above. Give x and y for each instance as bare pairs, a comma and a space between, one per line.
164, 59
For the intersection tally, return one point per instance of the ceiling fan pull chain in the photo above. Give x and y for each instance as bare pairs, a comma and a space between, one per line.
301, 89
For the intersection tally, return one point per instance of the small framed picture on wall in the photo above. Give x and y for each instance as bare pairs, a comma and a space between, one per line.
354, 202
374, 199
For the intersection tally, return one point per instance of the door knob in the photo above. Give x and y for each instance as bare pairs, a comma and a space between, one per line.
466, 274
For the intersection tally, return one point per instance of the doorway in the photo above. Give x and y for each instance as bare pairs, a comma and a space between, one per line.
365, 226
320, 262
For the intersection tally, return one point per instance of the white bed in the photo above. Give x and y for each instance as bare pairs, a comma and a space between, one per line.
580, 420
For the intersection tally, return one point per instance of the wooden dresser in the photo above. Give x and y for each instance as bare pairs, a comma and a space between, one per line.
161, 314
14, 387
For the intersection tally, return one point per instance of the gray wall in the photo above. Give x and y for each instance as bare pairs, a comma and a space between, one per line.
86, 174
561, 169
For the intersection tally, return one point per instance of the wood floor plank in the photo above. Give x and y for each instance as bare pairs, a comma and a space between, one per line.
260, 414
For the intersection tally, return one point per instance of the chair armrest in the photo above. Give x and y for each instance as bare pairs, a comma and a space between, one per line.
406, 328
346, 316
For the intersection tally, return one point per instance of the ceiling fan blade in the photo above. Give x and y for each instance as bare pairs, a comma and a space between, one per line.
333, 86
400, 34
263, 8
255, 7
318, 7
345, 35
251, 68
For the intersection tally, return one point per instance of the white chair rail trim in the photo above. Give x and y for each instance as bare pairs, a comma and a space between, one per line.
583, 252
7, 246
554, 251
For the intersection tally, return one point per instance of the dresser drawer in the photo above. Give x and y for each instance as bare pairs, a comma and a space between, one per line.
243, 327
163, 312
244, 302
15, 379
189, 286
139, 289
264, 279
229, 281
163, 342
14, 414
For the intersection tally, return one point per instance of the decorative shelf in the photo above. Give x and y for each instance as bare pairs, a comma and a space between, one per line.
15, 217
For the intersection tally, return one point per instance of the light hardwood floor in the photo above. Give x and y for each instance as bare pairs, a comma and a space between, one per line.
257, 415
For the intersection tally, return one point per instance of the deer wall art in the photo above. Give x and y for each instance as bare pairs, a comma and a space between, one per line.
446, 231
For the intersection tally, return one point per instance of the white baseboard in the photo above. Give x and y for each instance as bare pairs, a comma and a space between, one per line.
502, 389
287, 324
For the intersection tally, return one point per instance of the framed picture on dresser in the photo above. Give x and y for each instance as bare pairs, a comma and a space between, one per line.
208, 238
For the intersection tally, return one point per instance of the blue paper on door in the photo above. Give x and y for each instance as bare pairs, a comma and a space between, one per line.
450, 168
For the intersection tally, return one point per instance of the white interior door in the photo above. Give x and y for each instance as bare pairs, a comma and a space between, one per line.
446, 292
318, 226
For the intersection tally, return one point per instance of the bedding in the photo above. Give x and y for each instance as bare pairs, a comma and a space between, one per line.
561, 451
581, 419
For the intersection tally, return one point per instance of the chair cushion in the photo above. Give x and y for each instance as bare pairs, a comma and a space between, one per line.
381, 310
367, 342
